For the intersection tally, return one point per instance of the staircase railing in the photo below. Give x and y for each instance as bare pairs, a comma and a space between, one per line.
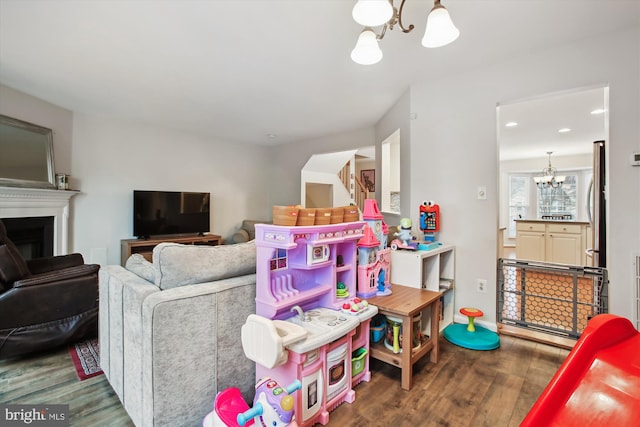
361, 193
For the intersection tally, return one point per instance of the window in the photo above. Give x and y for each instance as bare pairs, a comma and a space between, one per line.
559, 203
518, 200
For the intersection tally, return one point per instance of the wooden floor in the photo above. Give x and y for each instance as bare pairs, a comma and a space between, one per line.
466, 388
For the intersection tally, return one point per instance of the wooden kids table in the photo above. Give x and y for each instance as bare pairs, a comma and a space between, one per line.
406, 303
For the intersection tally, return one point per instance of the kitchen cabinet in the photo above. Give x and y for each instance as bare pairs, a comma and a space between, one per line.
551, 241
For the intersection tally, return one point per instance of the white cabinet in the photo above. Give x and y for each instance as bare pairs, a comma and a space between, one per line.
433, 270
530, 241
558, 242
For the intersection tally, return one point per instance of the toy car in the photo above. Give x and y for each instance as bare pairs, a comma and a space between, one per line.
399, 244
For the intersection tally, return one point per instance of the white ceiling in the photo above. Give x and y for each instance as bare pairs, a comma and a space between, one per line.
539, 120
240, 70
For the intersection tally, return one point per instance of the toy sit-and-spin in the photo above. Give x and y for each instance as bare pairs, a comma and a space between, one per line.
471, 336
273, 406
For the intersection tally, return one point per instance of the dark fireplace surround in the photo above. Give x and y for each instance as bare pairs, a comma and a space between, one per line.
33, 236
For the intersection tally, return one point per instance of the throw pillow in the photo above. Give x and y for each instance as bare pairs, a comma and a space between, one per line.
137, 264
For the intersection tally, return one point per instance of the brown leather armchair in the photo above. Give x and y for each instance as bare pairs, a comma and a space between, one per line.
44, 302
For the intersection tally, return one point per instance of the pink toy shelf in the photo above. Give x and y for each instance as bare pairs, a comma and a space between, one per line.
304, 265
315, 268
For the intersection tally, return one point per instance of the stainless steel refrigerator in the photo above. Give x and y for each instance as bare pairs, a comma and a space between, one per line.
596, 208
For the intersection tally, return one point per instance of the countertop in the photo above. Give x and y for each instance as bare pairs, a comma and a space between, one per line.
554, 221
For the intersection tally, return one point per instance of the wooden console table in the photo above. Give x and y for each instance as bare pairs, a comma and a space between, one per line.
145, 247
406, 303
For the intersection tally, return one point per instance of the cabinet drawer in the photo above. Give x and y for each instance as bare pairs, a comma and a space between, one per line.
564, 228
529, 226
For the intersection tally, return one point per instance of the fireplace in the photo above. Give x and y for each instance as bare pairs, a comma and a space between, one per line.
33, 236
29, 203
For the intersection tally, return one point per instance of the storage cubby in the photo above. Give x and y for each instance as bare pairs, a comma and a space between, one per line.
433, 270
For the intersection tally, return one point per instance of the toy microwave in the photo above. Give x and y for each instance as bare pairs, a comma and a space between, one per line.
317, 254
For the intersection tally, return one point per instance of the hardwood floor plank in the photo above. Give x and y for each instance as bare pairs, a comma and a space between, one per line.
466, 388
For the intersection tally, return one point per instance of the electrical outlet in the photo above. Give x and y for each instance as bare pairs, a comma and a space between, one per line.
481, 285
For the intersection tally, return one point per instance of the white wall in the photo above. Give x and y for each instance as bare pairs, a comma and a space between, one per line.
449, 148
111, 159
289, 159
455, 134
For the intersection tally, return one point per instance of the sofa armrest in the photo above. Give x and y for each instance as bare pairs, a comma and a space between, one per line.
46, 264
117, 285
29, 301
51, 277
188, 339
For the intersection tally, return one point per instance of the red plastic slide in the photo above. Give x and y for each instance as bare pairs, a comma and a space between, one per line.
599, 382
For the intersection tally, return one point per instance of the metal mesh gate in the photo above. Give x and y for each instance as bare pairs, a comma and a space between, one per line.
551, 298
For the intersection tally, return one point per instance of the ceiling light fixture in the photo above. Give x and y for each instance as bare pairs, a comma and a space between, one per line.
440, 30
549, 178
598, 111
511, 124
564, 130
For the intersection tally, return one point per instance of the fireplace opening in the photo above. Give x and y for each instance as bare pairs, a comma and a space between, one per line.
32, 235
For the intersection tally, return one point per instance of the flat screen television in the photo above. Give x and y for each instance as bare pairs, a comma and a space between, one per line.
157, 213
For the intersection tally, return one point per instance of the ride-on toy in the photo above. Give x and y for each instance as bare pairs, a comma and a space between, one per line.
405, 239
273, 406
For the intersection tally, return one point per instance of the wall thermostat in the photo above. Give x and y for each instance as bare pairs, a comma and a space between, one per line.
635, 159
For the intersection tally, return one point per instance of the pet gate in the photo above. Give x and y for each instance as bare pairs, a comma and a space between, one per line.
554, 299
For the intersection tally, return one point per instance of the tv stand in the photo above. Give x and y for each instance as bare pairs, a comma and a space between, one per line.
144, 246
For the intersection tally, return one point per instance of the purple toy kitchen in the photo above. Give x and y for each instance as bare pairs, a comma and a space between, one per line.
310, 325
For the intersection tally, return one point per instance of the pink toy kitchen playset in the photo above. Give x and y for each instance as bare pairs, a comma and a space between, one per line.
310, 325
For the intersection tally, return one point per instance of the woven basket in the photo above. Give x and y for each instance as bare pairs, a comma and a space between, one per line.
323, 216
351, 214
285, 215
337, 215
306, 217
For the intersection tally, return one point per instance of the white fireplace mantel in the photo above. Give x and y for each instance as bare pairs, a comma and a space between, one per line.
17, 202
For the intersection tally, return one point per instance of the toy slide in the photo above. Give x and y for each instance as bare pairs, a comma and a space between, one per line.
599, 382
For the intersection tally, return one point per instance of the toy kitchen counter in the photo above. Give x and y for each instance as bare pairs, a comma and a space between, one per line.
306, 287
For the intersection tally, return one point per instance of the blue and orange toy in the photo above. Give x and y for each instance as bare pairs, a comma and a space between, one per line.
273, 406
429, 220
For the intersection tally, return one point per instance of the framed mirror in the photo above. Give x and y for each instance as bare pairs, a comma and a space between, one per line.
26, 154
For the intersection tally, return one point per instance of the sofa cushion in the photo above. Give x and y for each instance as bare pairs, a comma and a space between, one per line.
139, 265
178, 265
240, 236
12, 266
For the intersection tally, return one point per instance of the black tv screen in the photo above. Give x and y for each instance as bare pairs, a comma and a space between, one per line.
158, 213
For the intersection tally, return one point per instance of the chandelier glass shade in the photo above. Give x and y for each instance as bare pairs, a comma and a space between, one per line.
372, 13
549, 178
367, 51
440, 30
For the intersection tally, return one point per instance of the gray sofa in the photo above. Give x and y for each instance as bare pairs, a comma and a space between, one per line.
170, 331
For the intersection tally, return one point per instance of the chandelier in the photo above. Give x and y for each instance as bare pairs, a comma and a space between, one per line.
549, 179
440, 30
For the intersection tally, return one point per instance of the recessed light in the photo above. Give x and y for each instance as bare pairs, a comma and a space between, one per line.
564, 130
511, 124
598, 111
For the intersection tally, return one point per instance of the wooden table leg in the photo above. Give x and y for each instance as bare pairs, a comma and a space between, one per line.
435, 331
407, 366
